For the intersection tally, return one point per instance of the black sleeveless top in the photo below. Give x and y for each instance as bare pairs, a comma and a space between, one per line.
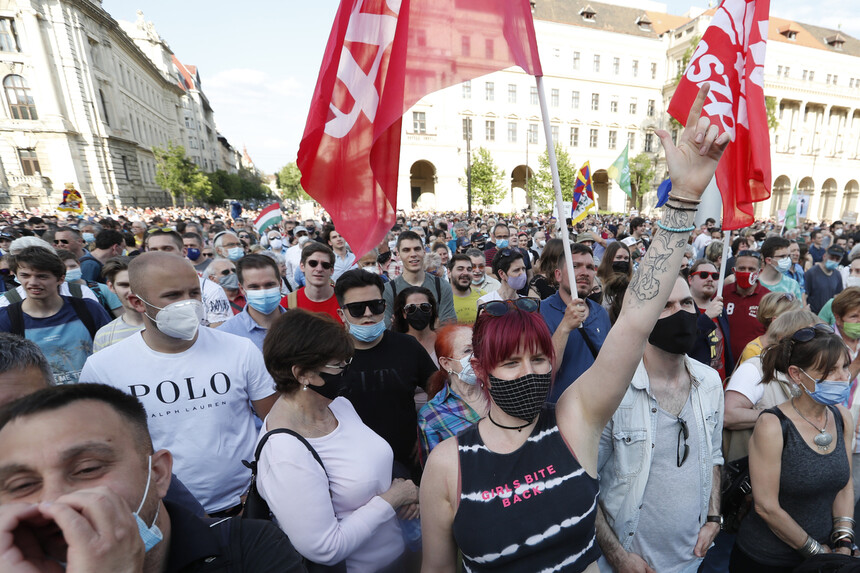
531, 510
808, 484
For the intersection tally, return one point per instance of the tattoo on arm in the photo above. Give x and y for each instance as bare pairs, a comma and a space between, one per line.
654, 266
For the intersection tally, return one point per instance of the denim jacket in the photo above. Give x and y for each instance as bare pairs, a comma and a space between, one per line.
624, 458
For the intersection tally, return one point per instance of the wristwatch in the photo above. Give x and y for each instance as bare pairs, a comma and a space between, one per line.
715, 519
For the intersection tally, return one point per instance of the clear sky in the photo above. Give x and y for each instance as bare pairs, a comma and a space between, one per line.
259, 59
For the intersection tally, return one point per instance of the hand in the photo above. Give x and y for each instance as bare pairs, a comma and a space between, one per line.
632, 563
842, 550
402, 492
23, 532
693, 162
409, 511
706, 537
715, 308
574, 315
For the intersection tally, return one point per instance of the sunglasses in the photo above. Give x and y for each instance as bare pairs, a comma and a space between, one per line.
226, 272
748, 253
808, 333
503, 307
684, 433
705, 274
207, 255
314, 263
61, 241
244, 236
425, 307
358, 309
160, 230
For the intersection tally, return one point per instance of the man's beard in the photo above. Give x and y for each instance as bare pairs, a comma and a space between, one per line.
461, 288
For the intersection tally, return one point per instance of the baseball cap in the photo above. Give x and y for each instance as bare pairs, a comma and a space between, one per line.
629, 241
463, 242
477, 237
583, 237
836, 251
299, 229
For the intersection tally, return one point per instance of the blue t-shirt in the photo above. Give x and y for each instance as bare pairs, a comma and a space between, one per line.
820, 288
63, 338
577, 356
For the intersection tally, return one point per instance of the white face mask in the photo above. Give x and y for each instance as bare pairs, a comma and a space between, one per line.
179, 319
853, 281
303, 239
276, 244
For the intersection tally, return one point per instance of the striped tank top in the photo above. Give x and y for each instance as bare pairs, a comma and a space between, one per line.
531, 510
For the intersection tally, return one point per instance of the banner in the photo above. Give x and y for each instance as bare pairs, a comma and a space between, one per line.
620, 172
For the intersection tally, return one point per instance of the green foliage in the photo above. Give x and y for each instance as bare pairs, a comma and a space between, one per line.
244, 186
540, 188
289, 182
487, 186
770, 106
688, 53
179, 175
642, 172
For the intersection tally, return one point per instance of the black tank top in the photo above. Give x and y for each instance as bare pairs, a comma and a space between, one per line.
530, 510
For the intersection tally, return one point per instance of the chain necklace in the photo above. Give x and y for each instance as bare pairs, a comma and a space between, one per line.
824, 438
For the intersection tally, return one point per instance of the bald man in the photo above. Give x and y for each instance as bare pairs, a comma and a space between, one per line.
195, 383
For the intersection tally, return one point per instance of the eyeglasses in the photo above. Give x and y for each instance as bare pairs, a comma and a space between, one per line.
684, 432
502, 307
343, 366
705, 274
226, 272
313, 263
358, 309
413, 308
808, 333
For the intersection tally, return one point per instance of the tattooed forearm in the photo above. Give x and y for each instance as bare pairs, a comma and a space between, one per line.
657, 265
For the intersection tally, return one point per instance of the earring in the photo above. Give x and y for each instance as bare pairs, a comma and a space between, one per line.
304, 387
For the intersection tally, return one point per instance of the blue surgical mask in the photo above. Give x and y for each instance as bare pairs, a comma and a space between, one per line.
193, 254
264, 300
828, 392
88, 237
501, 244
151, 535
831, 265
783, 264
366, 332
467, 374
73, 274
235, 253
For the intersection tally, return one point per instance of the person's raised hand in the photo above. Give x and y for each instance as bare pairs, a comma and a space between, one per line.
574, 315
694, 160
23, 531
715, 308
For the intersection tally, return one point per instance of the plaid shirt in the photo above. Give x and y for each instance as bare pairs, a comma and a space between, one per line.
443, 417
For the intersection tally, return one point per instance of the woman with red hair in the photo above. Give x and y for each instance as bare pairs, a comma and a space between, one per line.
456, 401
518, 490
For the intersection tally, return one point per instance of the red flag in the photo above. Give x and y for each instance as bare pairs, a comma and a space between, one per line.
730, 57
382, 57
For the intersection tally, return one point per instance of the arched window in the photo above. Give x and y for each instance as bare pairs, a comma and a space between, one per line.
21, 103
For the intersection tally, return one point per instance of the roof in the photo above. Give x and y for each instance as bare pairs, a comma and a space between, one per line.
607, 17
185, 73
665, 22
851, 45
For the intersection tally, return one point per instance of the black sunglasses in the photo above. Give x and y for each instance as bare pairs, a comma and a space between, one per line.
61, 241
357, 309
413, 308
684, 432
314, 263
503, 307
705, 274
226, 272
808, 333
208, 255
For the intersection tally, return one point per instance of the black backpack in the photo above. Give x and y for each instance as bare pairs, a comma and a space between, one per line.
16, 315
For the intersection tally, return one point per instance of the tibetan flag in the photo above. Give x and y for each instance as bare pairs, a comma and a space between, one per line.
382, 57
583, 194
269, 216
620, 171
791, 219
730, 57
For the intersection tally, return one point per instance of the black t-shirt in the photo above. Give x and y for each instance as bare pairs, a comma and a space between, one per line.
381, 382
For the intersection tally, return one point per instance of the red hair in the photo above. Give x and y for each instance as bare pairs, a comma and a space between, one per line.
444, 347
496, 338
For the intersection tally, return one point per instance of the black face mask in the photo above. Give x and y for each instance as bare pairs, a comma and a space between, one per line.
523, 397
621, 266
675, 334
419, 320
334, 386
597, 297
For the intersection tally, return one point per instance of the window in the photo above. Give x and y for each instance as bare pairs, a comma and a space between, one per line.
613, 106
29, 162
613, 139
489, 52
635, 68
786, 72
467, 89
490, 91
467, 128
490, 130
592, 138
595, 102
811, 75
616, 66
554, 131
104, 106
651, 107
631, 141
553, 98
533, 133
574, 137
465, 46
596, 62
189, 122
512, 93
21, 103
574, 100
806, 72
576, 60
8, 36
192, 142
779, 71
835, 79
125, 168
533, 96
633, 106
649, 142
653, 71
419, 122
512, 132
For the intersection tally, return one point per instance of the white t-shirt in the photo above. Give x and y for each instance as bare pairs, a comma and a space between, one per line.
86, 292
746, 380
293, 259
491, 296
197, 405
349, 522
216, 302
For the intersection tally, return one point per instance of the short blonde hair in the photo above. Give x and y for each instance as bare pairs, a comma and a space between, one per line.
790, 322
774, 304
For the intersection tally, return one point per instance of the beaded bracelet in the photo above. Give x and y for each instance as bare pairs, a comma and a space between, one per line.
674, 229
684, 199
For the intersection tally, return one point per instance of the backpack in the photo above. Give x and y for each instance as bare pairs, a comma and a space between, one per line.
16, 315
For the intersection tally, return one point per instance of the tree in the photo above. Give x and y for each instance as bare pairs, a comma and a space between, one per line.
540, 188
289, 180
641, 174
487, 186
770, 107
179, 175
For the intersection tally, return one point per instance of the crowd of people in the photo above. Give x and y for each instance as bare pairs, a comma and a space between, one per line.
451, 398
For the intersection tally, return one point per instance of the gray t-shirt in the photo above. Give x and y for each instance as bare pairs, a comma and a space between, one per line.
669, 521
440, 288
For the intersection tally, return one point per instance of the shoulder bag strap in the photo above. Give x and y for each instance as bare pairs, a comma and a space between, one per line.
12, 296
16, 317
438, 291
80, 308
75, 290
296, 435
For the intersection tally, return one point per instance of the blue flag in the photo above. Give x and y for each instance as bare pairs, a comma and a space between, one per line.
663, 192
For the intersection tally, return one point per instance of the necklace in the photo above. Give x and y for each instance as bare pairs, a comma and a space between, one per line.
823, 439
517, 428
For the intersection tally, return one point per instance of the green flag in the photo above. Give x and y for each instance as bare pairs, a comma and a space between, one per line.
791, 210
620, 171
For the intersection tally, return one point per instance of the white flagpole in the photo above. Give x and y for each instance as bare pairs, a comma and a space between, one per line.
727, 239
556, 184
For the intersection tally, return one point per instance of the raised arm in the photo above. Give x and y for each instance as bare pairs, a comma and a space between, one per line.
593, 398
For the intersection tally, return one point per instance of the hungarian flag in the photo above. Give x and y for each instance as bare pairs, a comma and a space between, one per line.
382, 57
269, 216
730, 57
583, 194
